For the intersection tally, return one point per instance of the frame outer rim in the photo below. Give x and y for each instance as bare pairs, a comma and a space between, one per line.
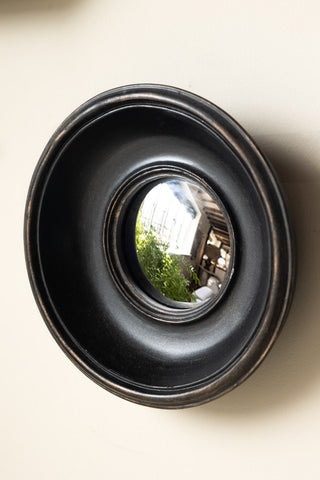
244, 146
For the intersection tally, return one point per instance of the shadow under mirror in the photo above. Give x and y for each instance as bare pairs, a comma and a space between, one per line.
183, 242
290, 375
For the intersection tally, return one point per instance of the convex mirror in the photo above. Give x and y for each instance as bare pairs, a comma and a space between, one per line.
183, 242
158, 246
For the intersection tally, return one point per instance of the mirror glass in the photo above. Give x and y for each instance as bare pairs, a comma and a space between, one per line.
183, 242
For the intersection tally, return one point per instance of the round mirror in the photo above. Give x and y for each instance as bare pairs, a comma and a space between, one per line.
183, 242
132, 236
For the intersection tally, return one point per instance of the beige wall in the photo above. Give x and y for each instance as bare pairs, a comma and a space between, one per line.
259, 60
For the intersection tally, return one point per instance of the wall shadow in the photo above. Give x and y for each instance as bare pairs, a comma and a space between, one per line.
291, 370
22, 7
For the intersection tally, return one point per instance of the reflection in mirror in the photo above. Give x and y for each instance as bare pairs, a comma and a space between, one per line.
182, 242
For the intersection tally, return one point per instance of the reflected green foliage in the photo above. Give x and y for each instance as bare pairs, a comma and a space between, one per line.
163, 270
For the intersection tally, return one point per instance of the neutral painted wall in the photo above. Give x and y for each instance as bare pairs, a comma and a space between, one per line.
259, 61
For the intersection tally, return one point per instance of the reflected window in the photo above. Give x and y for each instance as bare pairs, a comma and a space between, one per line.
170, 210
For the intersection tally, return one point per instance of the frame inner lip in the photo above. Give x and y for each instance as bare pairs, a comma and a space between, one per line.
151, 302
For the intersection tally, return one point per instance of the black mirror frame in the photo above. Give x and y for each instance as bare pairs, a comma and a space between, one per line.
281, 254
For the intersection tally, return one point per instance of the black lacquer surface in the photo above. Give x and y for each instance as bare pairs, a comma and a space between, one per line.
128, 133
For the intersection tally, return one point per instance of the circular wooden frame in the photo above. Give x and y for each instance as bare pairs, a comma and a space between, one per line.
108, 141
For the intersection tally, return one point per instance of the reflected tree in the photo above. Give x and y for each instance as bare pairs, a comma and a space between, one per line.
163, 270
